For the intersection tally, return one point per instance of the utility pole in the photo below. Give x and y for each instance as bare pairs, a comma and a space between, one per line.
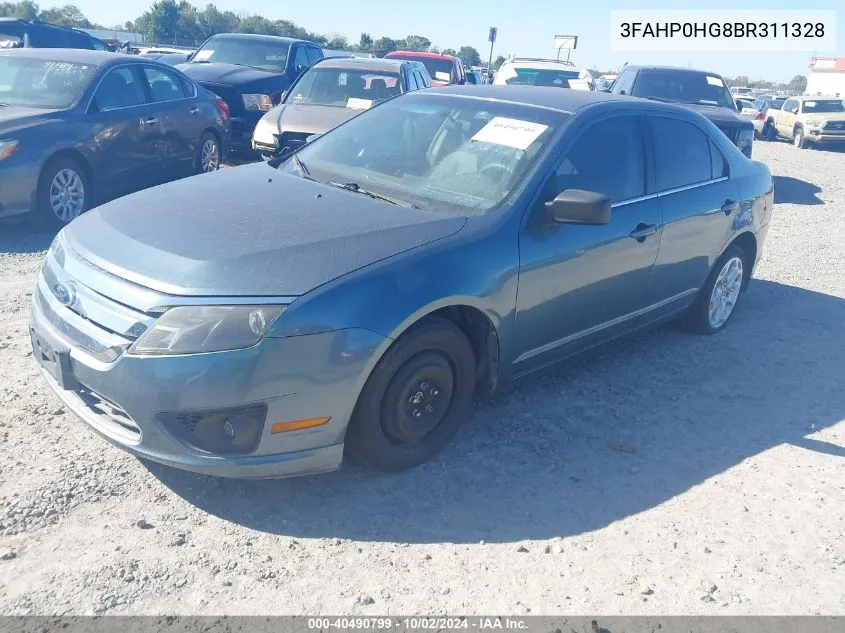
493, 32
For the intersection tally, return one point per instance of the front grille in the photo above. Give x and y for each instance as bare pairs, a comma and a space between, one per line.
111, 416
835, 126
89, 320
292, 141
231, 96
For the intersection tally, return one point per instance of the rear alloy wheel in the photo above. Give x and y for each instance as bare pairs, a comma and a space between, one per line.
798, 139
415, 399
208, 154
63, 193
717, 300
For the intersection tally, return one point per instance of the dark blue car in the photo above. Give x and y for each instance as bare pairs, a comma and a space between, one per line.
251, 72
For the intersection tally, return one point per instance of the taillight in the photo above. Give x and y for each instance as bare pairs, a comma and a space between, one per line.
223, 107
761, 116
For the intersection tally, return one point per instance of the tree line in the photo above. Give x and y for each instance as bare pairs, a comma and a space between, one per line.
183, 24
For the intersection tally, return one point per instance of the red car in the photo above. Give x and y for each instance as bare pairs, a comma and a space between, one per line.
444, 69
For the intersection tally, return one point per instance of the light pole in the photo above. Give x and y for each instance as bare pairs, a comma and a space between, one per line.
493, 32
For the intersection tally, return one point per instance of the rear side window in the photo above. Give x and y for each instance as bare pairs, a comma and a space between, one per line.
718, 161
608, 158
681, 153
120, 88
164, 85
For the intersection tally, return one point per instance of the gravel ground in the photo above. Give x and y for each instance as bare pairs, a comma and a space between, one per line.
665, 474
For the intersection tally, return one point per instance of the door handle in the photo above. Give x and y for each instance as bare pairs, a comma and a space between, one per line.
730, 206
152, 120
643, 231
194, 110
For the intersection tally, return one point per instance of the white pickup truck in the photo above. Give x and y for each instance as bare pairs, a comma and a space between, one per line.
807, 121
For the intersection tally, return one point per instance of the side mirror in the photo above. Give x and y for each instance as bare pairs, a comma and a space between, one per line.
313, 137
738, 104
283, 96
576, 206
299, 68
606, 90
189, 56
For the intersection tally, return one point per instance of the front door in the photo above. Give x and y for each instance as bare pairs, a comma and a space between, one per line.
124, 133
786, 117
579, 285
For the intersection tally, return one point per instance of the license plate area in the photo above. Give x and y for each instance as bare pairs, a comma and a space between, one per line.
56, 362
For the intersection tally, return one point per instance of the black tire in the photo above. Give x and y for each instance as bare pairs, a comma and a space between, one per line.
45, 216
208, 139
433, 360
697, 319
798, 138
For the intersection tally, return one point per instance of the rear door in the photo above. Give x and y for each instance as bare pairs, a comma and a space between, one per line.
699, 204
124, 132
180, 121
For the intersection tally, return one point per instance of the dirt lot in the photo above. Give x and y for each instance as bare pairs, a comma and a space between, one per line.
664, 474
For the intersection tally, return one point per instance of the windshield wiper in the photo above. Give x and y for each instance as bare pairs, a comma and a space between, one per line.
662, 99
356, 188
705, 102
303, 170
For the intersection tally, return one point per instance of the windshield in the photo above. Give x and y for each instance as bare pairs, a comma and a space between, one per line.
536, 77
344, 88
39, 83
818, 107
683, 87
434, 152
263, 54
439, 69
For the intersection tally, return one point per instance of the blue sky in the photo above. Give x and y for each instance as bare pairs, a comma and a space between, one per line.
526, 27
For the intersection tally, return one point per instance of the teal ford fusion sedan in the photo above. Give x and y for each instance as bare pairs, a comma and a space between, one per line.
264, 320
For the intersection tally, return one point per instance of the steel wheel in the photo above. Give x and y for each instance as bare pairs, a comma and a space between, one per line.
725, 293
209, 156
67, 195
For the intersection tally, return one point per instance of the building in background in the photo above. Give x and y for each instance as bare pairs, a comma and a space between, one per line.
826, 77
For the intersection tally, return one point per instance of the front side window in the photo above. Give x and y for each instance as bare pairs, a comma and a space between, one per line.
623, 82
37, 83
346, 88
265, 55
681, 153
164, 86
683, 87
608, 159
791, 105
435, 152
300, 58
120, 88
827, 106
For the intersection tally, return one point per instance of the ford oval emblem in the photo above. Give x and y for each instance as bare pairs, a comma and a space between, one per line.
64, 294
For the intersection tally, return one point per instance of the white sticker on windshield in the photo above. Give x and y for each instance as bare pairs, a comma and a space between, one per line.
510, 132
715, 81
441, 76
359, 104
809, 104
203, 54
579, 84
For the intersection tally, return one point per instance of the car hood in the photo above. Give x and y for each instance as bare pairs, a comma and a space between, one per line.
14, 118
310, 119
248, 231
228, 74
824, 116
718, 114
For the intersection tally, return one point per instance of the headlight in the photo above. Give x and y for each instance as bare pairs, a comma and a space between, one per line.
7, 148
745, 136
199, 329
265, 132
258, 102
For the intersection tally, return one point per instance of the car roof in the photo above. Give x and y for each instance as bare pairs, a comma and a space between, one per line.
421, 55
265, 38
816, 98
560, 99
69, 55
374, 64
692, 71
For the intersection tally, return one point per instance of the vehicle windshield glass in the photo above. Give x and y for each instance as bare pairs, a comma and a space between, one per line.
262, 54
40, 83
818, 107
537, 77
440, 153
683, 87
344, 88
439, 69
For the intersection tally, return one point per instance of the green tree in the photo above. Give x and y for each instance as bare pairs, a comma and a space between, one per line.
26, 10
450, 51
213, 21
337, 42
384, 45
365, 43
797, 84
469, 56
416, 43
68, 15
497, 63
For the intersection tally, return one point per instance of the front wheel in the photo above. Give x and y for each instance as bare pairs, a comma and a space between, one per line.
798, 138
63, 193
717, 300
415, 399
208, 154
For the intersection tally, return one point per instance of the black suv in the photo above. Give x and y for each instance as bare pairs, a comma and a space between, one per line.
18, 33
250, 72
702, 91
